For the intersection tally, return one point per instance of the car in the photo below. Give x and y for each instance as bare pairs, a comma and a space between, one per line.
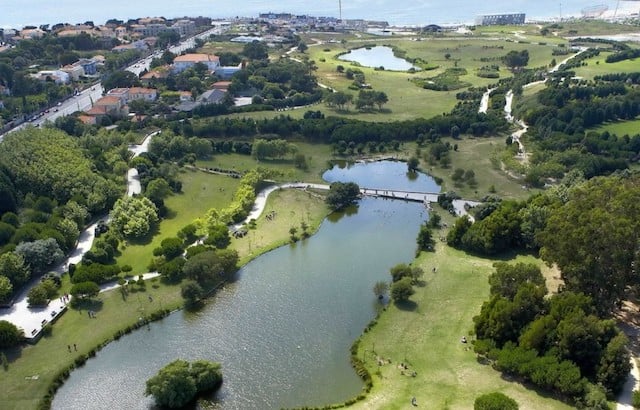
59, 104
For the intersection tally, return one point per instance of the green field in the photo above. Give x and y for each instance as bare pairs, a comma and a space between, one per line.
406, 100
425, 335
597, 66
32, 368
317, 156
476, 154
621, 128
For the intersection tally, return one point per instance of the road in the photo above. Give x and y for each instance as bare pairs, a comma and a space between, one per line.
86, 98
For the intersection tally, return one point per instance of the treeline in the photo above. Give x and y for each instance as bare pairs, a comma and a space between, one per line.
558, 342
464, 118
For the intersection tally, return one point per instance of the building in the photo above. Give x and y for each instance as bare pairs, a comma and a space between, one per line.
184, 27
158, 73
142, 93
90, 66
227, 72
74, 71
57, 76
500, 19
183, 62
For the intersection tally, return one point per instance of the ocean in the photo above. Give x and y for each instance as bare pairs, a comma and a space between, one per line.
17, 14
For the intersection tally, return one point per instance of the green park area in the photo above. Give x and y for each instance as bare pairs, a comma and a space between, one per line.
425, 335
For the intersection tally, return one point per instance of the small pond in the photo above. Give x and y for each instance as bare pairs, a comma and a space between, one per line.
379, 56
391, 175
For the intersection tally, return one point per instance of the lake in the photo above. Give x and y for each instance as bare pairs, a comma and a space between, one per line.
379, 56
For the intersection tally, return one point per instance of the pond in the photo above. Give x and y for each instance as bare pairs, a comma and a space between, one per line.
379, 56
282, 329
391, 175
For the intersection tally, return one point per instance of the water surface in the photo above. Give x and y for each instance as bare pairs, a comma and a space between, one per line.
379, 56
282, 330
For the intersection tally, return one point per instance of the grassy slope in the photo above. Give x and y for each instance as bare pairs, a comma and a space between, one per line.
476, 154
426, 335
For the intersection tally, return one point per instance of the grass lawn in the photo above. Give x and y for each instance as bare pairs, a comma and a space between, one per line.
425, 334
597, 66
50, 355
407, 101
292, 207
316, 154
201, 191
477, 154
621, 128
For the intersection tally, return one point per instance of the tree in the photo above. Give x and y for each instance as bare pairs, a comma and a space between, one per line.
170, 248
37, 296
594, 239
302, 47
207, 375
178, 383
425, 239
133, 216
120, 79
173, 386
191, 291
399, 271
218, 236
85, 289
342, 195
380, 288
339, 99
6, 288
515, 59
402, 290
40, 253
10, 335
209, 267
12, 266
157, 189
413, 163
255, 50
494, 401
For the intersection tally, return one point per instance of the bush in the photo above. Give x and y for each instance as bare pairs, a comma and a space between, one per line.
402, 289
10, 335
495, 401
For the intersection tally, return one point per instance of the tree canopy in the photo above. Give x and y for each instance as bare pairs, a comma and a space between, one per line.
133, 216
178, 383
50, 163
594, 239
342, 194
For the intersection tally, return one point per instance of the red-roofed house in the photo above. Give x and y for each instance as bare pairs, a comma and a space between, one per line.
183, 62
142, 93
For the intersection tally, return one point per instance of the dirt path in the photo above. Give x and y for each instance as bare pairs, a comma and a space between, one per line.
629, 321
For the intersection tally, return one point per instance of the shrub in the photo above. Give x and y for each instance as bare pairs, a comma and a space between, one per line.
495, 401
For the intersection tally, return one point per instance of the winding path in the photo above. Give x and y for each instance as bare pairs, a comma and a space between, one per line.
33, 319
